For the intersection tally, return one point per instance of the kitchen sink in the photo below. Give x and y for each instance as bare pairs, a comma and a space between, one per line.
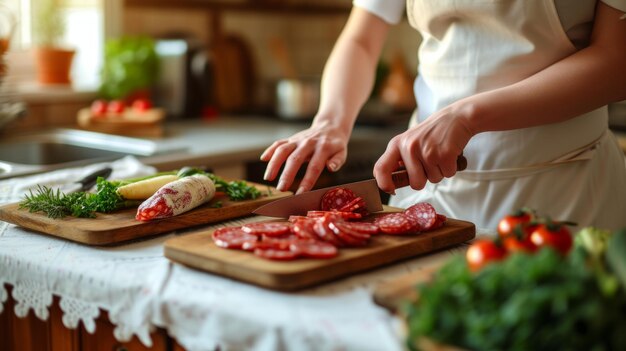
58, 148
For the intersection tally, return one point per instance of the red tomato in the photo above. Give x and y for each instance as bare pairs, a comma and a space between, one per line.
552, 235
514, 244
116, 107
507, 224
482, 252
99, 107
142, 105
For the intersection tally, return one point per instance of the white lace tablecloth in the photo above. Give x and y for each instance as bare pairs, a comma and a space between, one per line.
141, 290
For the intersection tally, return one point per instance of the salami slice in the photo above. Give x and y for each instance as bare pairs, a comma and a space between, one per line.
396, 224
315, 249
357, 205
304, 228
270, 243
325, 233
335, 199
267, 228
294, 218
362, 227
232, 237
347, 228
277, 255
341, 214
423, 214
346, 238
441, 220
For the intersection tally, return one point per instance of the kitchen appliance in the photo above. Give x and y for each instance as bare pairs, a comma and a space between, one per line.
184, 85
297, 98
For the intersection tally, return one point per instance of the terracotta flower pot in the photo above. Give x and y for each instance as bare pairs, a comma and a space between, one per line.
54, 65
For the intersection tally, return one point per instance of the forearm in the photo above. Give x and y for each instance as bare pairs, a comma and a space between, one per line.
350, 71
577, 84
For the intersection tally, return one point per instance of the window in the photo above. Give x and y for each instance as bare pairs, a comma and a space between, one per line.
84, 31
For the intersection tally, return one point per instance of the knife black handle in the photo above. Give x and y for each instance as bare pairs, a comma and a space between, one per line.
401, 178
90, 180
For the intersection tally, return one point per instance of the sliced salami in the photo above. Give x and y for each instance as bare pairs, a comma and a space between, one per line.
304, 228
267, 228
325, 233
345, 227
335, 199
315, 249
347, 239
441, 220
232, 237
363, 227
423, 214
396, 224
294, 218
270, 243
341, 214
278, 255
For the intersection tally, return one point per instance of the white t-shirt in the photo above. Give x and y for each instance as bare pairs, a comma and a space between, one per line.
576, 20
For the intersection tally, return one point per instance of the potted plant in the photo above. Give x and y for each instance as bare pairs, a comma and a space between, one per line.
53, 61
131, 67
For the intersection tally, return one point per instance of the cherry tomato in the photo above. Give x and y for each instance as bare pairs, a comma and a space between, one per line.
142, 105
99, 107
116, 107
482, 252
552, 235
507, 224
513, 243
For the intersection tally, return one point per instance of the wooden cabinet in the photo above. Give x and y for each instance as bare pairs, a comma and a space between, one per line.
32, 334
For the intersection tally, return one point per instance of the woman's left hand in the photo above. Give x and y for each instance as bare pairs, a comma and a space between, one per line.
428, 150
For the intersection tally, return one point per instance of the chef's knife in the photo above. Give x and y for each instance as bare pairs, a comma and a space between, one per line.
88, 181
367, 189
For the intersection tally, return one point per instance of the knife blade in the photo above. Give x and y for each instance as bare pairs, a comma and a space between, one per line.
300, 204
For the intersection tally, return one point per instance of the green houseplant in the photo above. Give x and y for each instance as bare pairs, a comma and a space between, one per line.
53, 61
130, 68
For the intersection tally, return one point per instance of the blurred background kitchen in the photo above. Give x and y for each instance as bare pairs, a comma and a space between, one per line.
241, 69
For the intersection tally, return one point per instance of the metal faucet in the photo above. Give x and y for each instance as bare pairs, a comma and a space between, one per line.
10, 111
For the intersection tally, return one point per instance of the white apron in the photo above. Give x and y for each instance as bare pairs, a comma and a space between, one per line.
573, 170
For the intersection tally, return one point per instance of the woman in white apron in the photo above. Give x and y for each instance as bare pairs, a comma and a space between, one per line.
518, 86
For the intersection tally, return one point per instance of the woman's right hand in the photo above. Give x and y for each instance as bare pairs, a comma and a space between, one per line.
322, 145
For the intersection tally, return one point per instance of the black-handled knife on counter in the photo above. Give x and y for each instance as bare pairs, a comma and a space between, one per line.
88, 181
310, 200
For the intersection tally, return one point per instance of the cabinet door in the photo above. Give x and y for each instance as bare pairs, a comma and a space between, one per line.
31, 333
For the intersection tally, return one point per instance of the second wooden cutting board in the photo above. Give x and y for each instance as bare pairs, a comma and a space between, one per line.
198, 251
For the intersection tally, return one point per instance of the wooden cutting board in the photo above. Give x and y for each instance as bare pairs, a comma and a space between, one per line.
148, 123
198, 251
120, 226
